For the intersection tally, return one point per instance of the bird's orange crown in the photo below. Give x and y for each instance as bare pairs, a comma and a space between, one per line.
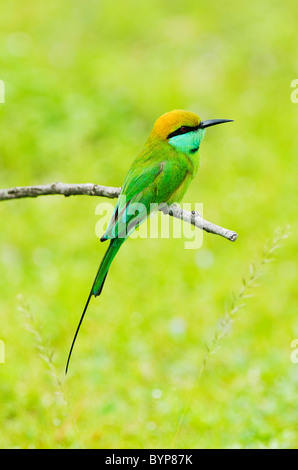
169, 122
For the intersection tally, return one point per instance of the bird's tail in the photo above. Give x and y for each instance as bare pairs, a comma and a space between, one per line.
98, 283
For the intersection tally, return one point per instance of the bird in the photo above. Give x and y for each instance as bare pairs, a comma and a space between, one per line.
160, 174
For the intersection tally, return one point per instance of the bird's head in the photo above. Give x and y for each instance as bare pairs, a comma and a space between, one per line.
183, 130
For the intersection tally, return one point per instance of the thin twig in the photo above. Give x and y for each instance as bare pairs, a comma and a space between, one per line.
89, 189
224, 324
47, 357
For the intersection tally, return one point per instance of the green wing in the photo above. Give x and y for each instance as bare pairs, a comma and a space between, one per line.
148, 181
131, 208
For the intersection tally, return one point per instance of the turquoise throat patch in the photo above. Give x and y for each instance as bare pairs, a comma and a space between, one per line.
189, 142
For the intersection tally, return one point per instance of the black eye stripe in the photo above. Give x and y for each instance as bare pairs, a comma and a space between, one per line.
183, 130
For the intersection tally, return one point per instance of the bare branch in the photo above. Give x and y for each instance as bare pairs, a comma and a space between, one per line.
195, 219
89, 189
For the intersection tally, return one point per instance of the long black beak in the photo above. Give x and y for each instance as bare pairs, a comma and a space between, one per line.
213, 122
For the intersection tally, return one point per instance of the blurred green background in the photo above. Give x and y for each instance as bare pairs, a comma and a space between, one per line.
84, 83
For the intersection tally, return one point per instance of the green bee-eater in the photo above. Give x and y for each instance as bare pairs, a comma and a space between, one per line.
160, 174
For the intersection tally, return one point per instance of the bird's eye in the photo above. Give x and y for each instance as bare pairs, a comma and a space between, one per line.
183, 129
